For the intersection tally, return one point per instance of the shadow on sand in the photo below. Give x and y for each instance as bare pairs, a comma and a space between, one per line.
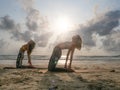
24, 67
29, 67
63, 70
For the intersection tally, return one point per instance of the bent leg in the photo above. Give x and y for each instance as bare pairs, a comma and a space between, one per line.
54, 59
19, 60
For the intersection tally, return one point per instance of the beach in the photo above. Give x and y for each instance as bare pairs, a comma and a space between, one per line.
86, 75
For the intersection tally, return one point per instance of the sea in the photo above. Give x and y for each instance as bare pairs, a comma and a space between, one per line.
11, 59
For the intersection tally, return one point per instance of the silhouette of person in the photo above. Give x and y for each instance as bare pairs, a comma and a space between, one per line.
27, 47
57, 52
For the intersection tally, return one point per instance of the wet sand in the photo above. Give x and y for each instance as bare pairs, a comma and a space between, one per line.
87, 75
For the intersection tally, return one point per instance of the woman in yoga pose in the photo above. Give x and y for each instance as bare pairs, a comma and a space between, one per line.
57, 52
27, 47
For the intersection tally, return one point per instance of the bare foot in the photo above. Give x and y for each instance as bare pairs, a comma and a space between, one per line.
69, 67
65, 66
30, 65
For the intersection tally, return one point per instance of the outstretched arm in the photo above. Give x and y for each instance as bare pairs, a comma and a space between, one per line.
71, 57
30, 47
29, 58
67, 58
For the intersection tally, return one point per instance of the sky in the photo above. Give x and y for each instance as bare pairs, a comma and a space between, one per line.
49, 22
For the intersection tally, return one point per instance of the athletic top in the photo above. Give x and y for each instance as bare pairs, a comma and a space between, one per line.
23, 48
28, 47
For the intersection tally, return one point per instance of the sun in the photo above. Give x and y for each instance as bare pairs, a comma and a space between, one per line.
62, 24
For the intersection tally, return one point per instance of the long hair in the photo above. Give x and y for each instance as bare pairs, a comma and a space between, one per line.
77, 41
31, 45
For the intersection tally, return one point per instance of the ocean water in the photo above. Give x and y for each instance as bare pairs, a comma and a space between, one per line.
41, 57
36, 59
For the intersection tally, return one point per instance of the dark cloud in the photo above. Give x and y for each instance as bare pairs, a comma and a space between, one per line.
112, 42
25, 36
6, 23
17, 34
103, 27
114, 15
108, 23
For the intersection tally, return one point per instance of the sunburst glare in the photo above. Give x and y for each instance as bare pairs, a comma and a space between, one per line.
61, 25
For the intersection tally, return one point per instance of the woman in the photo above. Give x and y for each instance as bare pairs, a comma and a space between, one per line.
57, 52
27, 47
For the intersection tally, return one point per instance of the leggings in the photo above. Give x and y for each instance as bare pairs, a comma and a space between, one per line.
19, 60
57, 52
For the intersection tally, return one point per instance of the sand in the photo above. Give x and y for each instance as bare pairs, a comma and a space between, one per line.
86, 76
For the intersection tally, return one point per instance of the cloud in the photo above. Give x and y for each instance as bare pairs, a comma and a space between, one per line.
42, 39
112, 42
35, 26
104, 27
19, 36
27, 4
34, 20
6, 23
36, 23
2, 43
15, 29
